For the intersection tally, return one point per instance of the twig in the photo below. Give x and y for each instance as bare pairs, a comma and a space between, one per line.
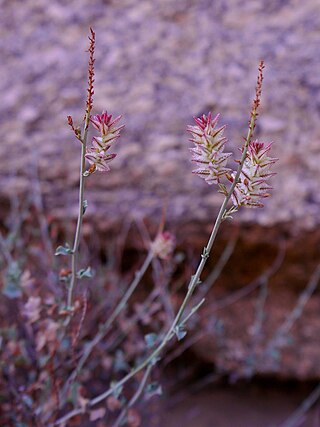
75, 248
302, 409
215, 273
104, 328
134, 398
286, 326
238, 295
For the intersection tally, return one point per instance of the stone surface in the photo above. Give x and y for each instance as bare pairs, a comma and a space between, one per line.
158, 64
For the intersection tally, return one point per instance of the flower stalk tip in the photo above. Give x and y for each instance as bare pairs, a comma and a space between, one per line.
90, 90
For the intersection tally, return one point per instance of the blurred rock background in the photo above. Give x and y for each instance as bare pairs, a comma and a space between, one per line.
159, 63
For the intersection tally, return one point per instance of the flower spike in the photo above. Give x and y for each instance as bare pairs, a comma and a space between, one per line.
253, 185
97, 154
208, 151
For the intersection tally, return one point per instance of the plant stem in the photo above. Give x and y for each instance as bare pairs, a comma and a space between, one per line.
298, 414
75, 249
105, 327
134, 398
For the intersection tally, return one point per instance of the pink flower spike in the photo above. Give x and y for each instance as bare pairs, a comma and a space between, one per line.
163, 245
208, 152
100, 159
253, 185
97, 154
104, 123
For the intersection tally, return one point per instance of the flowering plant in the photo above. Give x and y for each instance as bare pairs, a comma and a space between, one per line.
55, 327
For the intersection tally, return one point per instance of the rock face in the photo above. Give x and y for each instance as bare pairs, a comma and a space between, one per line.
158, 64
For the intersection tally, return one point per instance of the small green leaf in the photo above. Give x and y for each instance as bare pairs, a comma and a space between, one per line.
12, 287
85, 272
64, 250
73, 394
180, 332
27, 400
84, 206
150, 339
153, 389
120, 363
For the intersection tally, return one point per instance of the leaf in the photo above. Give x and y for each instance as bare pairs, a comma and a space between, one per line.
85, 272
150, 339
74, 393
12, 287
153, 389
180, 332
64, 250
96, 414
120, 363
84, 206
27, 400
32, 309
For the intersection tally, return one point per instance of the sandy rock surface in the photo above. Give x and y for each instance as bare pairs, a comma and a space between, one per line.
159, 63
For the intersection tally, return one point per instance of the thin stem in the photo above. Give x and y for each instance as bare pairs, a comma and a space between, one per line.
75, 248
243, 292
287, 325
107, 325
213, 276
134, 398
294, 419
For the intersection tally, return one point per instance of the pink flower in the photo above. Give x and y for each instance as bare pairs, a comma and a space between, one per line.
163, 245
106, 126
208, 151
99, 159
253, 185
97, 154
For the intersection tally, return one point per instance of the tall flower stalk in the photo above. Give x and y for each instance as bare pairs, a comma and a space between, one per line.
98, 157
209, 154
83, 139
